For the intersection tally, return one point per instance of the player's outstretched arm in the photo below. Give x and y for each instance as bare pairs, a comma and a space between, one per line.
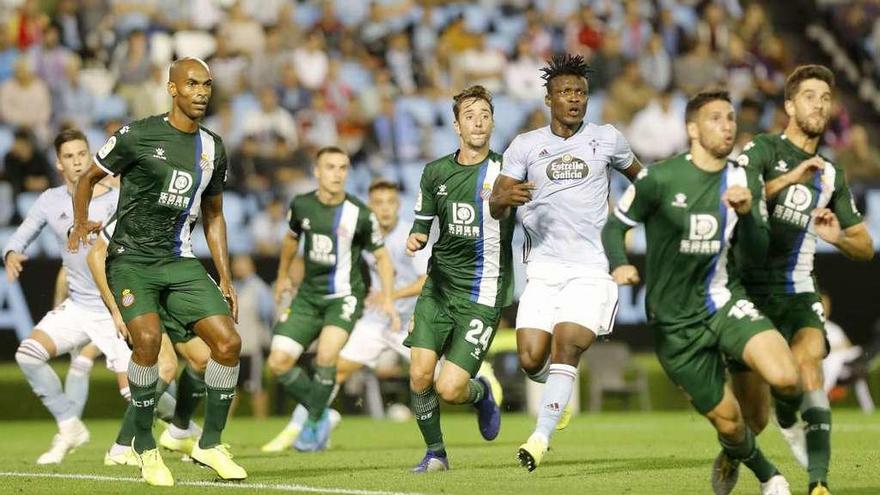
614, 241
802, 173
96, 260
283, 283
82, 227
854, 242
24, 235
386, 278
508, 193
215, 234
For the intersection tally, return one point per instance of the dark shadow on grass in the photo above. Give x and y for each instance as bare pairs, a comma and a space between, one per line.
610, 466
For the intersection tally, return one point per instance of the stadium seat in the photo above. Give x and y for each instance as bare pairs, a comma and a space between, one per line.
613, 372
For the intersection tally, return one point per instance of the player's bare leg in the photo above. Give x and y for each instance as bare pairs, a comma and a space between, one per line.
809, 349
221, 376
32, 356
533, 348
570, 340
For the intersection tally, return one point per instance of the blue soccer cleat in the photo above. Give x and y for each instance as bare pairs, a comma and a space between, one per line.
315, 434
432, 462
488, 413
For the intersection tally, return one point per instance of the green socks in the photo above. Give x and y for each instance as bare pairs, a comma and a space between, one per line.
747, 452
816, 413
190, 390
142, 382
426, 407
220, 382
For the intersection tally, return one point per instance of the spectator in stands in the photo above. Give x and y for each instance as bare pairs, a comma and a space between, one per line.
268, 228
74, 103
629, 93
481, 64
672, 33
772, 68
132, 68
522, 76
25, 26
243, 34
25, 167
225, 123
399, 58
247, 170
8, 55
656, 64
634, 30
70, 25
293, 97
311, 61
133, 15
713, 28
228, 69
25, 100
740, 67
657, 131
607, 63
583, 34
860, 159
539, 34
698, 69
265, 69
50, 57
269, 120
754, 28
318, 124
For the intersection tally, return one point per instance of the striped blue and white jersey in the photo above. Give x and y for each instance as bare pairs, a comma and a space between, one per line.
54, 208
563, 221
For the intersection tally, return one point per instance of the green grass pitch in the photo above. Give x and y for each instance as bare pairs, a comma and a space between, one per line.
609, 453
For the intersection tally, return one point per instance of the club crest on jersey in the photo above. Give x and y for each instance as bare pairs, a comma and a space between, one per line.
464, 220
205, 163
175, 195
702, 230
127, 298
567, 169
486, 193
321, 250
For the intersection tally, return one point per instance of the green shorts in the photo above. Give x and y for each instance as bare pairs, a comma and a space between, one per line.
455, 327
181, 286
791, 312
177, 332
309, 313
694, 356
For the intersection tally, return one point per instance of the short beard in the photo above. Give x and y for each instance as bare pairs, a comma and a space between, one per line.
808, 130
719, 152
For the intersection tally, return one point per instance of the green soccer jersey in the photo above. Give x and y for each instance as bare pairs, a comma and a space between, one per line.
691, 270
164, 173
789, 264
472, 257
334, 236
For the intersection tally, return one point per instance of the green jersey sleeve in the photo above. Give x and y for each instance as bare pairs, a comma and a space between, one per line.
293, 221
218, 178
756, 155
369, 231
118, 154
753, 231
843, 204
425, 205
639, 201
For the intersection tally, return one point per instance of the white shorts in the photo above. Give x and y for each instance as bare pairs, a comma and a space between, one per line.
71, 326
370, 338
558, 293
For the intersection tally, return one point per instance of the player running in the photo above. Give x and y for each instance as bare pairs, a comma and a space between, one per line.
336, 227
809, 199
172, 171
558, 175
81, 318
469, 278
705, 219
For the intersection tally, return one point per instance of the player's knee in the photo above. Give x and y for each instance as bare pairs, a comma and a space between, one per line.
785, 381
31, 352
531, 360
730, 427
449, 391
421, 380
228, 348
167, 370
756, 418
279, 362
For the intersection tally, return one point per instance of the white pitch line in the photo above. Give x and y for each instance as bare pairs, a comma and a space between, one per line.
213, 484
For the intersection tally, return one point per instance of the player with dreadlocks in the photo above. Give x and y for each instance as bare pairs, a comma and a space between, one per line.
557, 177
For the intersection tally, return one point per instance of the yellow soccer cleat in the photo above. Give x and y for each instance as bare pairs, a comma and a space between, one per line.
220, 460
531, 452
565, 418
282, 441
488, 372
820, 489
153, 469
181, 445
126, 458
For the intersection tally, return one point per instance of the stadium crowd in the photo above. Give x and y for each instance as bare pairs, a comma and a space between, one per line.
375, 77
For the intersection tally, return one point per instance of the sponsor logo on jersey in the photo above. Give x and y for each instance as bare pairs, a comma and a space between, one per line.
127, 297
321, 250
680, 200
306, 224
107, 148
175, 195
160, 154
796, 200
124, 129
441, 191
543, 153
781, 166
566, 169
702, 230
464, 220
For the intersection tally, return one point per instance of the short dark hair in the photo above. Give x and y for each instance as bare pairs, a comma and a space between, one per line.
382, 184
329, 149
476, 91
804, 72
702, 99
565, 65
67, 135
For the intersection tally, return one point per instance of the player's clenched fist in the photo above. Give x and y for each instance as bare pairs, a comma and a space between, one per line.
415, 242
80, 233
516, 195
626, 275
739, 198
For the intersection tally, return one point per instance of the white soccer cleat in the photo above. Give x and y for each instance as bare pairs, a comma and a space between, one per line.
776, 485
796, 439
72, 433
55, 453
